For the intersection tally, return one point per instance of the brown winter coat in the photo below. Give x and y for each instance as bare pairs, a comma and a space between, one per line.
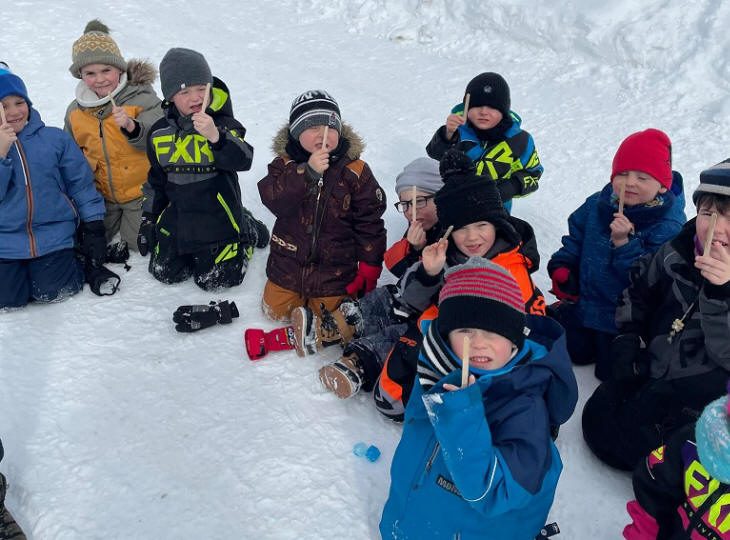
319, 257
119, 162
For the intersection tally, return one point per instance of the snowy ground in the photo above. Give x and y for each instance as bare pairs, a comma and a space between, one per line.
115, 426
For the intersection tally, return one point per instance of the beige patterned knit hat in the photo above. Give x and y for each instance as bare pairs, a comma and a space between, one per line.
95, 47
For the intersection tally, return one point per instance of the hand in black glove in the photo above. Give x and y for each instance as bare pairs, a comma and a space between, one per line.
629, 360
93, 242
147, 236
194, 318
101, 280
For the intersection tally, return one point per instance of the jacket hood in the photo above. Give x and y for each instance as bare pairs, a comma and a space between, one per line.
140, 72
34, 124
357, 144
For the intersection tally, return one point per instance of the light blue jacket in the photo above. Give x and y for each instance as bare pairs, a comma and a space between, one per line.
46, 188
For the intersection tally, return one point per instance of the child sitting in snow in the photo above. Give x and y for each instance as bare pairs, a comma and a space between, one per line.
478, 461
193, 220
329, 238
46, 193
114, 108
592, 268
482, 228
672, 355
491, 136
683, 488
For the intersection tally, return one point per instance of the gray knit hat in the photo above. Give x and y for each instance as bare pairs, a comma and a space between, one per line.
715, 180
95, 47
314, 108
181, 68
423, 173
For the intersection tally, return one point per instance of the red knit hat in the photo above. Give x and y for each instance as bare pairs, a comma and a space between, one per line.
482, 294
648, 151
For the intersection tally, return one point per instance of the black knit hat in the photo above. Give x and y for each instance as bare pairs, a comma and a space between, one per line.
467, 198
489, 89
715, 180
181, 68
482, 294
314, 108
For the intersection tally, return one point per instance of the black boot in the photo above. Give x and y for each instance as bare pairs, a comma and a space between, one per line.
9, 529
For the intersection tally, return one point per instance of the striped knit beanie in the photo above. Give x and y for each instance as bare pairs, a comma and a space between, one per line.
715, 180
482, 294
713, 438
314, 108
95, 46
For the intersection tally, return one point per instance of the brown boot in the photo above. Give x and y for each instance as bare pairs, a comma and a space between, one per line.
9, 529
313, 333
343, 377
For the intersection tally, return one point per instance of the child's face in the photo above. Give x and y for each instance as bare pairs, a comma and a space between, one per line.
189, 100
311, 138
426, 216
475, 239
640, 187
721, 236
16, 112
484, 117
101, 79
487, 350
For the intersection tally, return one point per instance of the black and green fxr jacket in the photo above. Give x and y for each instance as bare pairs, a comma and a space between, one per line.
192, 185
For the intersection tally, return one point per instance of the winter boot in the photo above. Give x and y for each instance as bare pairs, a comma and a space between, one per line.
349, 315
344, 377
258, 342
312, 333
9, 529
256, 230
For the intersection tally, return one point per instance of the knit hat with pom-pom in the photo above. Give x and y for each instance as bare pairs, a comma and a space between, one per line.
713, 438
95, 46
466, 197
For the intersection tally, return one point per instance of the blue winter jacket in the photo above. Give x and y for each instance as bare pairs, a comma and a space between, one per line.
479, 463
603, 270
46, 186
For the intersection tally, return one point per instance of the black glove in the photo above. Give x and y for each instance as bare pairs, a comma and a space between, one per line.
629, 360
101, 280
194, 318
117, 253
93, 242
147, 236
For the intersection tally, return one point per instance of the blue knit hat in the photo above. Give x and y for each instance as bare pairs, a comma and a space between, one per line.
713, 438
11, 84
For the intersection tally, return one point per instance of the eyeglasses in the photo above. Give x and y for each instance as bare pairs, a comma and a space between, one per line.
421, 202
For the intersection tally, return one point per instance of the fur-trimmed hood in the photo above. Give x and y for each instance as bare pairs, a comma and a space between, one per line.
357, 144
141, 72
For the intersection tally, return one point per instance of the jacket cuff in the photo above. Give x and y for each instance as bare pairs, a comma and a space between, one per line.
134, 134
719, 292
423, 277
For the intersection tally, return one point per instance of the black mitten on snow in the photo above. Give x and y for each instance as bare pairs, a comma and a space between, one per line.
629, 361
93, 242
101, 280
194, 318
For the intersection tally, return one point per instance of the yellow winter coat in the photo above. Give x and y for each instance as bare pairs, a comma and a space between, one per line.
119, 162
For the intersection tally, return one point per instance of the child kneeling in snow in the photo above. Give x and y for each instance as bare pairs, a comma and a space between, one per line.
329, 238
592, 268
683, 488
479, 461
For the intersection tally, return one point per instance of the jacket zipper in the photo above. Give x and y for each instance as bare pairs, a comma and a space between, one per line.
315, 232
106, 159
29, 199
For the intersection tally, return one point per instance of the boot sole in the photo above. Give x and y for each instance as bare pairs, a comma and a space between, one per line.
299, 324
337, 382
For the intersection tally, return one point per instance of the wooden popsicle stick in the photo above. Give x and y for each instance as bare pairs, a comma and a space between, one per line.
325, 135
447, 233
111, 98
710, 233
206, 98
466, 105
465, 362
621, 193
2, 115
413, 206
